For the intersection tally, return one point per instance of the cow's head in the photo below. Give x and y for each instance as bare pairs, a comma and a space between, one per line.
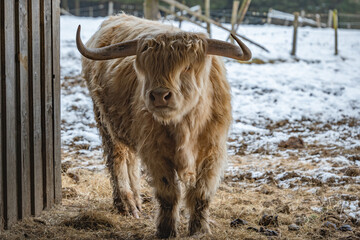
172, 68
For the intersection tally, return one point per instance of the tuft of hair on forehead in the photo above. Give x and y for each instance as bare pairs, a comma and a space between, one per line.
166, 52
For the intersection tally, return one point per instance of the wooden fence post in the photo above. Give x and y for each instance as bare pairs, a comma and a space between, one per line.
242, 12
268, 20
240, 16
181, 14
233, 18
110, 8
335, 22
65, 4
302, 15
151, 9
77, 7
296, 23
330, 17
207, 14
318, 20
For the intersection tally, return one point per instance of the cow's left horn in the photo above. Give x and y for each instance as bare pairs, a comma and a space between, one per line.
116, 50
225, 49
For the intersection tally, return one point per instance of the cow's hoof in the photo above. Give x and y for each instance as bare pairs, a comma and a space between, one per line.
166, 229
199, 228
128, 208
166, 233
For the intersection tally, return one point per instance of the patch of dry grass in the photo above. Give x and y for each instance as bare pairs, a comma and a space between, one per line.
88, 214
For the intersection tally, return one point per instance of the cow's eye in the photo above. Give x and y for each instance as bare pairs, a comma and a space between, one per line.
145, 48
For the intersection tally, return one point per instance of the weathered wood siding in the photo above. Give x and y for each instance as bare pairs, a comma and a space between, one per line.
30, 177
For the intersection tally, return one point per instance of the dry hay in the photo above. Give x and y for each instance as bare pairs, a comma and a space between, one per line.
90, 220
88, 214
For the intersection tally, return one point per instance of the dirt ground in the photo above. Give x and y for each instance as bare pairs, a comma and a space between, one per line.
304, 187
237, 212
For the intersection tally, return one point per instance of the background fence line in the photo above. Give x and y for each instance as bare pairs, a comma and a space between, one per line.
220, 15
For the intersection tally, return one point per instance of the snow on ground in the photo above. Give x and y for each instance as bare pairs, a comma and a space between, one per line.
314, 97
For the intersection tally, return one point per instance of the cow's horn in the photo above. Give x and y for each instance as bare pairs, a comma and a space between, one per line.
225, 49
117, 50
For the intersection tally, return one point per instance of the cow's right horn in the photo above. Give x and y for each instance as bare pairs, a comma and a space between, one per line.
225, 49
116, 50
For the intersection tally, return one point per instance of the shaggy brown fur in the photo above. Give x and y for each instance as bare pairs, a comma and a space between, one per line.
184, 142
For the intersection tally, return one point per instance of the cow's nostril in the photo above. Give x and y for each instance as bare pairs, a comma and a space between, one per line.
167, 96
160, 97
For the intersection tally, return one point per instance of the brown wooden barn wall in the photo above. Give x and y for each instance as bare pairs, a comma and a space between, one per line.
30, 171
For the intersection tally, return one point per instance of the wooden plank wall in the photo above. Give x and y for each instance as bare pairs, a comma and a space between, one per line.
2, 72
30, 171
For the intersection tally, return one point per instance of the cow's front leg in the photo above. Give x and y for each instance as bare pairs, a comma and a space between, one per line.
198, 197
123, 169
167, 193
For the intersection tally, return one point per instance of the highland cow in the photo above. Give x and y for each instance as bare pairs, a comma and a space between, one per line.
161, 97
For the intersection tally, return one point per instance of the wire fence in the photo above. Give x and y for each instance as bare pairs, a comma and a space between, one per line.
103, 10
219, 15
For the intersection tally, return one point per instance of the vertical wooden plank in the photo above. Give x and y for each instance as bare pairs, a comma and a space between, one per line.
56, 91
35, 110
24, 160
47, 104
10, 186
17, 110
2, 114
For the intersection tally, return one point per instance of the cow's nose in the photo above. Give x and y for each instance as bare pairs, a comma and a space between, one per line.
160, 97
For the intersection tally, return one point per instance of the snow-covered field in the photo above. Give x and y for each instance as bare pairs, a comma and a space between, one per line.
314, 97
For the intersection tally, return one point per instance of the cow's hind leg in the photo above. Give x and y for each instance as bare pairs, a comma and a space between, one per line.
198, 197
